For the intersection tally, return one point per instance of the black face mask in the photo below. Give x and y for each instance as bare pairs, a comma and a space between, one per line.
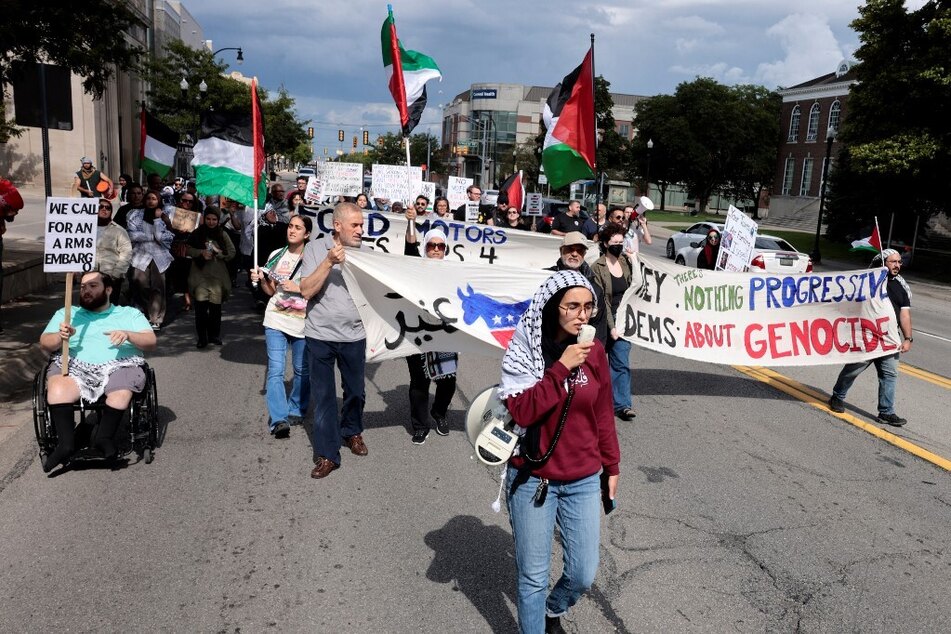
616, 249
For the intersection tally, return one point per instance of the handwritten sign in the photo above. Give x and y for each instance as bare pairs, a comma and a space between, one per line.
456, 191
70, 243
395, 182
737, 241
472, 211
341, 179
423, 188
533, 205
185, 220
312, 192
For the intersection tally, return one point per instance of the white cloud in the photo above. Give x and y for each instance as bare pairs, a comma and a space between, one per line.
810, 47
695, 24
721, 71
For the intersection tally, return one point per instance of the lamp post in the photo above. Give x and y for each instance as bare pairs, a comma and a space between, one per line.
650, 146
830, 137
231, 48
202, 89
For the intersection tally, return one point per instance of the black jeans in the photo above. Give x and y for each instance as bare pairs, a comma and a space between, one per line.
419, 394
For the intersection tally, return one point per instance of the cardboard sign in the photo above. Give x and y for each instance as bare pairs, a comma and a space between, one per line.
737, 241
312, 193
428, 190
396, 182
185, 220
71, 226
456, 191
472, 211
533, 205
341, 179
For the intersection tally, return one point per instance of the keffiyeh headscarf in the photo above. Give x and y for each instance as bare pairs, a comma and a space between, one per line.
879, 260
523, 364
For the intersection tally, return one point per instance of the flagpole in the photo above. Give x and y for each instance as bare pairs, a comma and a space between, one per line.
411, 224
879, 233
597, 166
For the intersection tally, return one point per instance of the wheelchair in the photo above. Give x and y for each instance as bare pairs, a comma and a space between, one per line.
138, 432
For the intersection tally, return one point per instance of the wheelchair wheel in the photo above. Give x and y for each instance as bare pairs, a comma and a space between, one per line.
45, 434
150, 417
148, 456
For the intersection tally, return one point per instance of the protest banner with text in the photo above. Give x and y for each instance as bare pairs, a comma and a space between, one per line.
70, 242
395, 182
340, 179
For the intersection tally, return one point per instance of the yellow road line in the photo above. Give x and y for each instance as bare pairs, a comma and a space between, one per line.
820, 401
924, 375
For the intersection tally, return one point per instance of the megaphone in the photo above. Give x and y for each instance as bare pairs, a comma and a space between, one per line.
643, 204
490, 428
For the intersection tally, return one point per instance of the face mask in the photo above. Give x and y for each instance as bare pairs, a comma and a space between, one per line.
616, 249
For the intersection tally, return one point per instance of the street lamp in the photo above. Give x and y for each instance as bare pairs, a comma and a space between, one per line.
830, 137
202, 90
650, 146
231, 48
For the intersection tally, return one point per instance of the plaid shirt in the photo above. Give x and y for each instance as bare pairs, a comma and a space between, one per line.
150, 242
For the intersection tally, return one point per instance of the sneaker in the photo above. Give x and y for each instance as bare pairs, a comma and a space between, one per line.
419, 437
442, 427
625, 413
891, 419
553, 625
281, 430
836, 405
156, 327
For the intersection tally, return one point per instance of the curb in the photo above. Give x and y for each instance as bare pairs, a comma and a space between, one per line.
19, 367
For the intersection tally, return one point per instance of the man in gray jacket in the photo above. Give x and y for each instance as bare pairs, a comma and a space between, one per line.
113, 249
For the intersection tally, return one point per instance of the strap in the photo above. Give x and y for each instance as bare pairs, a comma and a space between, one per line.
561, 427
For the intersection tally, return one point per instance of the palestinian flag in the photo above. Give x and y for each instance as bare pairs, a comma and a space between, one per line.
159, 143
570, 141
513, 190
407, 73
872, 243
227, 160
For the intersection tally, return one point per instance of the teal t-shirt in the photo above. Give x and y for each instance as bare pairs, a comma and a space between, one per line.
90, 344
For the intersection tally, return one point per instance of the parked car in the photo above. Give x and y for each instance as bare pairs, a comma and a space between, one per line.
770, 255
693, 233
490, 197
306, 172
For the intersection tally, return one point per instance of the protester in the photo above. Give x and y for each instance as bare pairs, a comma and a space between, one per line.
513, 220
335, 335
90, 182
498, 215
613, 274
295, 204
422, 202
106, 343
151, 240
235, 219
210, 248
899, 293
193, 191
396, 207
301, 186
567, 221
125, 181
637, 231
284, 328
557, 391
474, 193
438, 367
363, 202
441, 207
593, 225
275, 202
11, 202
572, 254
709, 251
272, 234
136, 200
113, 249
178, 272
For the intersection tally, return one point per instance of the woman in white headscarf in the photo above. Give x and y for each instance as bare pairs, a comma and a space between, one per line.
437, 367
558, 392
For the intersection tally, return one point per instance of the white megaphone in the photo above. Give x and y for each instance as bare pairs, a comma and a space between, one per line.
643, 204
490, 428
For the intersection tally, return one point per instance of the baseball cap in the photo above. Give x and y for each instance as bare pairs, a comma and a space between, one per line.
574, 237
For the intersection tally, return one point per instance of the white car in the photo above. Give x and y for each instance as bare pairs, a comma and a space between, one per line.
770, 255
490, 197
306, 172
693, 233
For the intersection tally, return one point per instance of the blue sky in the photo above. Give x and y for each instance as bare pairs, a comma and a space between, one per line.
327, 53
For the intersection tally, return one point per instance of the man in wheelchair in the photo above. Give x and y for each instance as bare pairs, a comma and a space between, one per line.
106, 343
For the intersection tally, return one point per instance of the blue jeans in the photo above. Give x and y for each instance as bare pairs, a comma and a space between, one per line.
279, 405
576, 507
329, 427
887, 368
619, 358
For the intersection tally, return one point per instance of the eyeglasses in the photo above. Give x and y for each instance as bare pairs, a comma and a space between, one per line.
475, 193
574, 309
713, 237
574, 248
187, 200
420, 204
436, 246
513, 211
105, 207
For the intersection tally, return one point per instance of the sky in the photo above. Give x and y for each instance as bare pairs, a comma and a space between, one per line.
327, 53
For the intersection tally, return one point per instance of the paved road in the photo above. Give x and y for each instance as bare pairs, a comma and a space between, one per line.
741, 508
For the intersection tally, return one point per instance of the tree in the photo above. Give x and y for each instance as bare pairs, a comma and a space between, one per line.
897, 130
67, 36
611, 146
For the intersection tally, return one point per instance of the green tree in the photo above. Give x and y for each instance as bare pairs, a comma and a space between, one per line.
897, 130
63, 35
612, 148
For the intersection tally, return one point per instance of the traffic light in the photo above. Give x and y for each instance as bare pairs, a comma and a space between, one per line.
366, 137
310, 133
354, 140
340, 135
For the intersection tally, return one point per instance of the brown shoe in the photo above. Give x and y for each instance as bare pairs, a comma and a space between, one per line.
356, 444
322, 468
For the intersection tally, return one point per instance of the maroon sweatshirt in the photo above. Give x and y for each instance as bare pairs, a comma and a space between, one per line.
589, 440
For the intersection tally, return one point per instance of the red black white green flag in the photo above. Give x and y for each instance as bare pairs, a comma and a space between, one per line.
513, 190
570, 142
407, 73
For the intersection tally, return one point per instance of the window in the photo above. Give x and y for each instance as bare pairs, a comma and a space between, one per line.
788, 175
806, 176
825, 170
793, 126
813, 132
624, 130
834, 113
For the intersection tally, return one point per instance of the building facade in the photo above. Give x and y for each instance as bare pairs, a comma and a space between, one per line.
486, 123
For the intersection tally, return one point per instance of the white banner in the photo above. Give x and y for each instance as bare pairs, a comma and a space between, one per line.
461, 307
312, 192
456, 191
467, 242
340, 179
70, 243
392, 183
737, 241
761, 319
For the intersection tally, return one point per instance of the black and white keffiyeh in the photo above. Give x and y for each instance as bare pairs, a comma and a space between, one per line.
92, 377
879, 260
523, 364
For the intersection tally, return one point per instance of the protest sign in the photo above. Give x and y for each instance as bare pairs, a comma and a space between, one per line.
456, 191
472, 211
340, 179
758, 319
70, 242
185, 220
391, 182
737, 241
312, 193
462, 307
533, 205
467, 242
424, 188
